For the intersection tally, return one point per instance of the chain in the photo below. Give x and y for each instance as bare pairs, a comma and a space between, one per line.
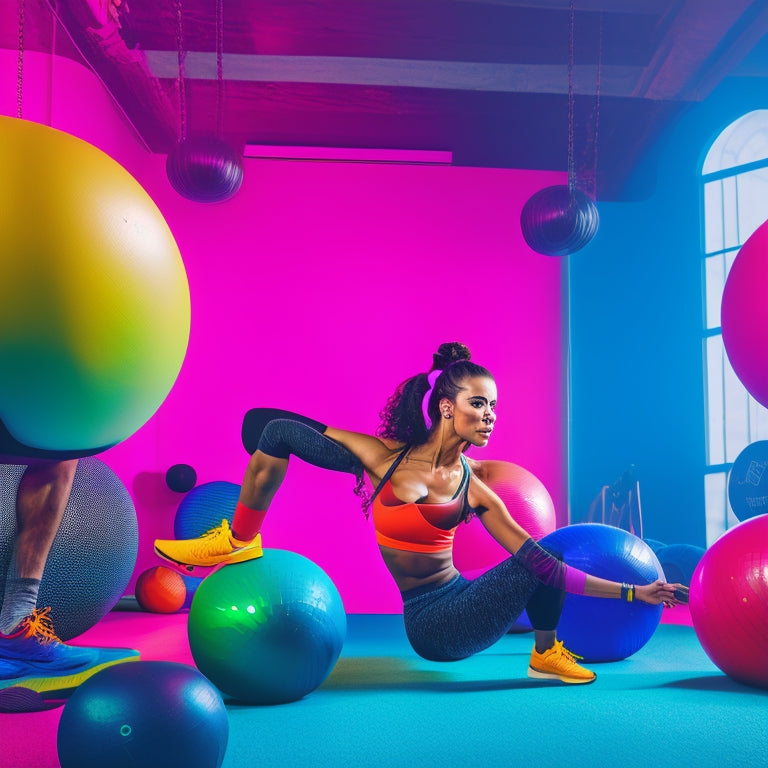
219, 66
20, 63
181, 56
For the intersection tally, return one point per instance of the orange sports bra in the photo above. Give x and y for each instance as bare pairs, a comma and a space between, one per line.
415, 526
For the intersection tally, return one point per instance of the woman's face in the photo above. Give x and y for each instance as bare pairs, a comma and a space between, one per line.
473, 413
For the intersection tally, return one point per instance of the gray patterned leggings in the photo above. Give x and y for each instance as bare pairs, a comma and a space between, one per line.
460, 618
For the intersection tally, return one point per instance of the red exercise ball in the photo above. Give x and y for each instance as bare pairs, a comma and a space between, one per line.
744, 315
527, 500
160, 590
729, 602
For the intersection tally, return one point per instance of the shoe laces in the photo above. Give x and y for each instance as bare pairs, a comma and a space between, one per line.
40, 626
207, 541
561, 650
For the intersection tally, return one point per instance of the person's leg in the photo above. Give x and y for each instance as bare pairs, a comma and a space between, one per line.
37, 670
240, 541
550, 660
470, 616
40, 503
452, 623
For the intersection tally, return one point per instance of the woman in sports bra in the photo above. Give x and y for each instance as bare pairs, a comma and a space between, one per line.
424, 488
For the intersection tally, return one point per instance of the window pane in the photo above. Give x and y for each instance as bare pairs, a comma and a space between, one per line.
758, 421
736, 415
715, 412
715, 500
743, 141
714, 281
713, 217
752, 201
730, 213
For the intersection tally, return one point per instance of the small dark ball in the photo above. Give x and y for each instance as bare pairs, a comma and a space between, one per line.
558, 220
205, 170
181, 478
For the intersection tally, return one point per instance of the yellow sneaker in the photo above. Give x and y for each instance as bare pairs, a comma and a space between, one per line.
558, 663
214, 548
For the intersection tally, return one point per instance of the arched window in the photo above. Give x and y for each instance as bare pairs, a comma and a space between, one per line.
735, 202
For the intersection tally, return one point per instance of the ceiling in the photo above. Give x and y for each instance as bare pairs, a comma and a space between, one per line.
498, 83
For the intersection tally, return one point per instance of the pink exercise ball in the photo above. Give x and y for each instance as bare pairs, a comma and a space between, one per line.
527, 500
744, 315
729, 602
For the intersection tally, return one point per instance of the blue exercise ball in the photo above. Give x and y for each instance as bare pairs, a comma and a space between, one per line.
748, 481
204, 507
191, 583
602, 629
679, 561
94, 553
144, 714
269, 630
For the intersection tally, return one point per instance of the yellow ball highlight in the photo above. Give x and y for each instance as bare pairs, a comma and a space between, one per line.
94, 299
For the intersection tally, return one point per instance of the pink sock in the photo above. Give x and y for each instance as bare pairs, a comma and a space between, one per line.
246, 522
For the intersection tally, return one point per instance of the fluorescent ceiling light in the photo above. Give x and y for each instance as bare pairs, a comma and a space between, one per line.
349, 154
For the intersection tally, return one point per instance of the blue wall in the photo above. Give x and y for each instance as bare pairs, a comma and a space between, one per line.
635, 304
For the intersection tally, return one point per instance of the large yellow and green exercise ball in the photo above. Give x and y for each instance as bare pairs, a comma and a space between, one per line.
94, 299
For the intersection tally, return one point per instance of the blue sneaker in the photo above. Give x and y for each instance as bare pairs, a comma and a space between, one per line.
38, 671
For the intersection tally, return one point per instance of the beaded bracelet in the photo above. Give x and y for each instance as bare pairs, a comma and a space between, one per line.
628, 592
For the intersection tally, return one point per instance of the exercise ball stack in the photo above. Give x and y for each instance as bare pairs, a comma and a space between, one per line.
729, 602
94, 300
268, 630
601, 629
144, 714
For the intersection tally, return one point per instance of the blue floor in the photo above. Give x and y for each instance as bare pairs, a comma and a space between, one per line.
667, 705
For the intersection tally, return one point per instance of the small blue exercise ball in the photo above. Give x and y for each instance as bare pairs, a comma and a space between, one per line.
604, 629
144, 714
269, 630
679, 561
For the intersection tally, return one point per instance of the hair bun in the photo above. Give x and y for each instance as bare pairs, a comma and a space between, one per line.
450, 352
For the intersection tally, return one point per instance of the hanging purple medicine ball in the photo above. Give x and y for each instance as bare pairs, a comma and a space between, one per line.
558, 220
205, 169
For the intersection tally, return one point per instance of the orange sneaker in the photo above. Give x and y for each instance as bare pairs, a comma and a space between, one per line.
558, 663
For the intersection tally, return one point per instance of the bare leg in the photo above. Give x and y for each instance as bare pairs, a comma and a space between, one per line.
40, 503
263, 477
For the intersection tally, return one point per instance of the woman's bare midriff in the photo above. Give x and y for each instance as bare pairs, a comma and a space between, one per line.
416, 569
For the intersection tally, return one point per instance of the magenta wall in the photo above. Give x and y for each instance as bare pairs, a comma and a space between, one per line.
318, 288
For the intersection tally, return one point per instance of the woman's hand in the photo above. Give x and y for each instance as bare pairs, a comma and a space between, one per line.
660, 592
